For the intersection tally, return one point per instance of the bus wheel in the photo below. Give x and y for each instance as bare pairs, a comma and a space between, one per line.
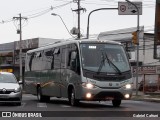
39, 95
72, 99
116, 103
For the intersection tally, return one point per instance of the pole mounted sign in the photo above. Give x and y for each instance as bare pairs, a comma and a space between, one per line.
125, 8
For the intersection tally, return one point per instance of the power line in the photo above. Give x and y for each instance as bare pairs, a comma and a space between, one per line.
144, 5
112, 3
47, 10
38, 14
6, 21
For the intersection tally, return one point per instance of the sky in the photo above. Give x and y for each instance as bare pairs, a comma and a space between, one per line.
40, 22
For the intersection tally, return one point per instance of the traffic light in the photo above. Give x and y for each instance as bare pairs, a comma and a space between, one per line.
134, 37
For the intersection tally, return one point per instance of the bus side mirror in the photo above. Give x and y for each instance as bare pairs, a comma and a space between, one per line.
73, 64
73, 55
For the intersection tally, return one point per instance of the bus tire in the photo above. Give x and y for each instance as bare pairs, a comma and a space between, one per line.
72, 100
116, 103
40, 97
47, 98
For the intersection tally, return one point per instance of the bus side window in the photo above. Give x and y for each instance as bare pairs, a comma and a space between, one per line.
48, 59
63, 56
52, 61
74, 62
78, 64
30, 61
57, 58
69, 58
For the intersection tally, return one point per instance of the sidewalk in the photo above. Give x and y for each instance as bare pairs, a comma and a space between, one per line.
149, 96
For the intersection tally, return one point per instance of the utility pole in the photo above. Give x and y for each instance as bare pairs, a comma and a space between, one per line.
157, 30
137, 63
19, 31
157, 35
78, 12
79, 33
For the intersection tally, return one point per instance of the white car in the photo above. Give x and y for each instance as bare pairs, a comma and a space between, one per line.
10, 89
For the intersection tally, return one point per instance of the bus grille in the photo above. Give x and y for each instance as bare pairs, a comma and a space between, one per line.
103, 95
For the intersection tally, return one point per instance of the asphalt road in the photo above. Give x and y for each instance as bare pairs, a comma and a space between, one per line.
60, 109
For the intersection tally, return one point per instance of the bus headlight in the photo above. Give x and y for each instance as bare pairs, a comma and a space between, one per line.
128, 86
88, 85
127, 96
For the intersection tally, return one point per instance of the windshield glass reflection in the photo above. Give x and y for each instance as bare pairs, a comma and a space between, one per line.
110, 58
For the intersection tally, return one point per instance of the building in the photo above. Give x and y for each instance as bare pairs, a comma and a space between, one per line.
9, 53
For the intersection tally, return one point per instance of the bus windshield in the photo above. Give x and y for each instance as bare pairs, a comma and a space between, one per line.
103, 57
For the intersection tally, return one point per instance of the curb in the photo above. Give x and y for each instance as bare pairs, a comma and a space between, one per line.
152, 100
157, 100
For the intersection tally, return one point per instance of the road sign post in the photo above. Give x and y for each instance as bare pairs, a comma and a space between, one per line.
132, 8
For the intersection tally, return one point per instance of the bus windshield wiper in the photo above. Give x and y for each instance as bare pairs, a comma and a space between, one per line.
102, 62
105, 57
114, 66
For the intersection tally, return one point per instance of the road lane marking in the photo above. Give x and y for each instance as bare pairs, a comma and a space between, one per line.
23, 104
42, 105
66, 106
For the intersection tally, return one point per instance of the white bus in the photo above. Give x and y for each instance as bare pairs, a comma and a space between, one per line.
79, 70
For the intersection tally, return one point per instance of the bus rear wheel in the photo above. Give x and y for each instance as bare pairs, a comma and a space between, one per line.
72, 100
116, 103
41, 97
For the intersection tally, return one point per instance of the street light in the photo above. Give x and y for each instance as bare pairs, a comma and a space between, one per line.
87, 36
54, 14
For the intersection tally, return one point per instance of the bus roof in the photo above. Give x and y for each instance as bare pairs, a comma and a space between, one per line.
65, 42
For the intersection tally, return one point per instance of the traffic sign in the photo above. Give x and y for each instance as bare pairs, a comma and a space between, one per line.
125, 8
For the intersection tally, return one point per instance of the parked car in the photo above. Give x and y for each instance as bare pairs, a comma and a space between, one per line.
10, 89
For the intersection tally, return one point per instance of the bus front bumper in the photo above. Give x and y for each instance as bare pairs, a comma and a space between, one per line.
106, 94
